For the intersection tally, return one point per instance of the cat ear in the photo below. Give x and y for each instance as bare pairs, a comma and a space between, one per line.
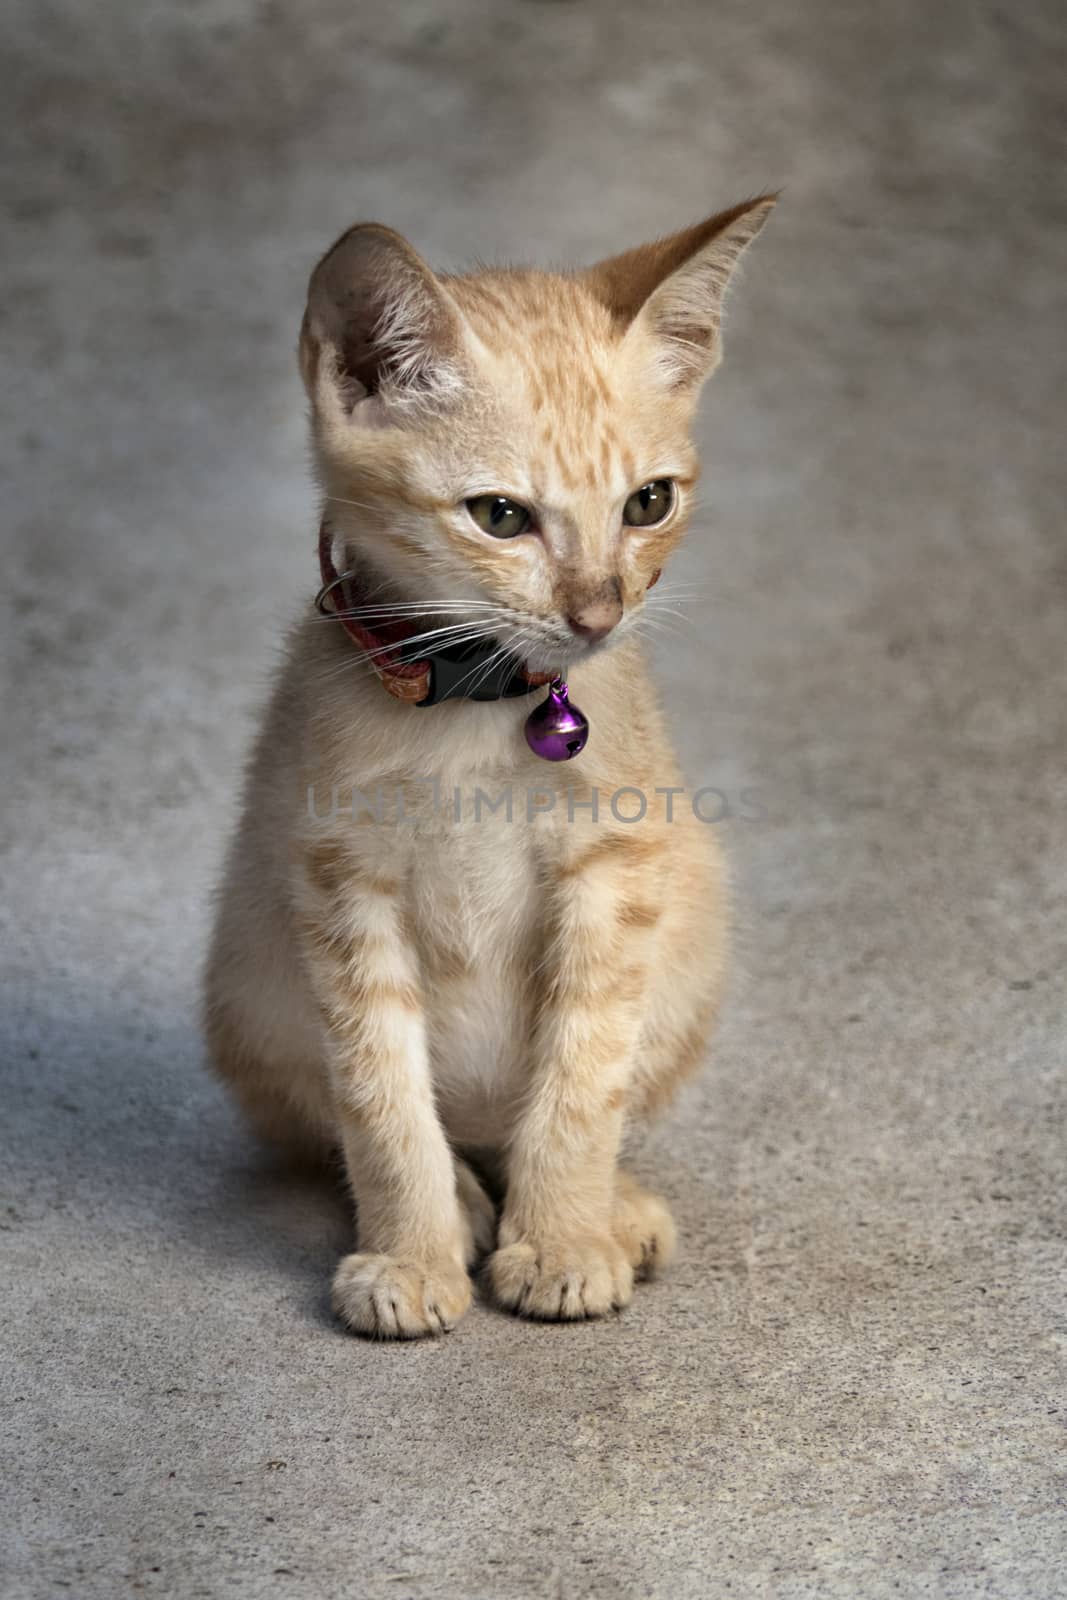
675, 287
378, 322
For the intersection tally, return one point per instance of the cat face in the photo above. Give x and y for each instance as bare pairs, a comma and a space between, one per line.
515, 445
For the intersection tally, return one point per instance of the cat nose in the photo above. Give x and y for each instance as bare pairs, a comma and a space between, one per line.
594, 622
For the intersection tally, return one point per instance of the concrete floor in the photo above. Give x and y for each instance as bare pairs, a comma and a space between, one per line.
853, 1383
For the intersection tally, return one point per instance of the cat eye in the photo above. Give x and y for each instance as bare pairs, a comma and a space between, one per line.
649, 504
496, 514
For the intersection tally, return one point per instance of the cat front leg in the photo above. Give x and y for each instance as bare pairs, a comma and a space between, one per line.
409, 1276
561, 1255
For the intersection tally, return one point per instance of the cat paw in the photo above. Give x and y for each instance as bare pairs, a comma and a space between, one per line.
477, 1215
386, 1298
562, 1282
643, 1226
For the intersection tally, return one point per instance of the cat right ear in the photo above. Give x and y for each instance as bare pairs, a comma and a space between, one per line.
674, 288
378, 322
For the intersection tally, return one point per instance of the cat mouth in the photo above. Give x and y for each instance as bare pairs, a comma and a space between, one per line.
563, 650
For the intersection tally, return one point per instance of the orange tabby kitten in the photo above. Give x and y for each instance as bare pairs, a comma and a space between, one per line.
429, 939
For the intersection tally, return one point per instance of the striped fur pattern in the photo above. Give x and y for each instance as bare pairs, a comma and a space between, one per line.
459, 1001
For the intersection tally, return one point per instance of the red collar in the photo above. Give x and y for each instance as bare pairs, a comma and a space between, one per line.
439, 675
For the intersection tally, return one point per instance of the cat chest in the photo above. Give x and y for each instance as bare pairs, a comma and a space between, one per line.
477, 919
475, 901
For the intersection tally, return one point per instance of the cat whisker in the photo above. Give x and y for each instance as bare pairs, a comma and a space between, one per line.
651, 628
667, 617
367, 658
682, 592
339, 500
457, 633
425, 605
657, 611
373, 614
417, 610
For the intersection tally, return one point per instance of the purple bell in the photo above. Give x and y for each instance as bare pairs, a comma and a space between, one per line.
556, 730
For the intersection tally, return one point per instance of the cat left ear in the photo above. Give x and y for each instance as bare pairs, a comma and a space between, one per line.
674, 289
378, 322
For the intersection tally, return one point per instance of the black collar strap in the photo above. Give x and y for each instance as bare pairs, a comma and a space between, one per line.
463, 672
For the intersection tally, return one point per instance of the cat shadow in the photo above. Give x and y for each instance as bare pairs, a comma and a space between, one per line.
112, 1125
284, 1216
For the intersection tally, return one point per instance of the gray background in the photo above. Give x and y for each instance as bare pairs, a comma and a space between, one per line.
852, 1383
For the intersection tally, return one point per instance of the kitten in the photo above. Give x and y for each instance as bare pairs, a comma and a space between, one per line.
409, 972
